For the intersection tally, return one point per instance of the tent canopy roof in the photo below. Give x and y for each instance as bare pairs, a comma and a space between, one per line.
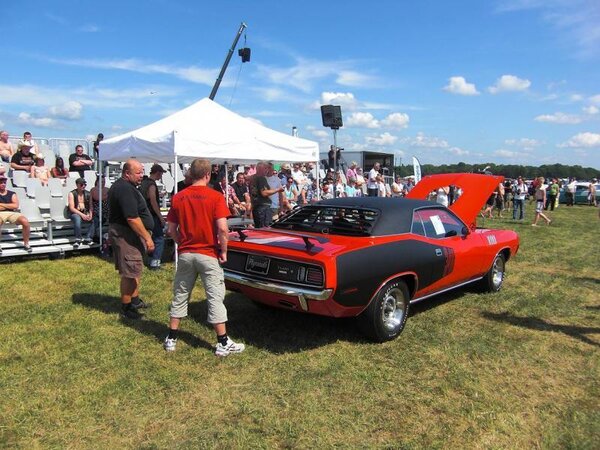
211, 131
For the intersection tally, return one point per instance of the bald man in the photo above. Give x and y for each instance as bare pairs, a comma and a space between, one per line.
129, 223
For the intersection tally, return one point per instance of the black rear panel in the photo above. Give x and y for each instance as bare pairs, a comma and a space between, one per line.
361, 272
274, 269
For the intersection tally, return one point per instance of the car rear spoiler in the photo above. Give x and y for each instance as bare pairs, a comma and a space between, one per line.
305, 237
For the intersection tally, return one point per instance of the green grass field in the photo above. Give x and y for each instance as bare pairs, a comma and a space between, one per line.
517, 369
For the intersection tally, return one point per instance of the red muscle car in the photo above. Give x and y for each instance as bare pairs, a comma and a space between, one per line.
371, 257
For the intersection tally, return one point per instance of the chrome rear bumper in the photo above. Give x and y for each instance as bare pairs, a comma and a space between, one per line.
302, 294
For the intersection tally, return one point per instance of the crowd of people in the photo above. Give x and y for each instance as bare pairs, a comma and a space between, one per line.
30, 160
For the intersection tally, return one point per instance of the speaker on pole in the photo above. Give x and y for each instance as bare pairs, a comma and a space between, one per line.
332, 116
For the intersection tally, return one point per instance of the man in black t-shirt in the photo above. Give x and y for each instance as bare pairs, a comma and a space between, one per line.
129, 222
23, 159
79, 161
260, 192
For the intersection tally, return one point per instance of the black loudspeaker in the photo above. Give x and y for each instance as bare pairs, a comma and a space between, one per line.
332, 116
244, 53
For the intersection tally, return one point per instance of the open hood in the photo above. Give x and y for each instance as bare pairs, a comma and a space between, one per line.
476, 189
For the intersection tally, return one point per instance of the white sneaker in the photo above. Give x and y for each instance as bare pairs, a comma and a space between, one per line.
169, 344
230, 347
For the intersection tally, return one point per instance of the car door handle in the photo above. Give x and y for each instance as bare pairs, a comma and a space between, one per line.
438, 252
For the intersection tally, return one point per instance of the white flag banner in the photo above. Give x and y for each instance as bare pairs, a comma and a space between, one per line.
416, 169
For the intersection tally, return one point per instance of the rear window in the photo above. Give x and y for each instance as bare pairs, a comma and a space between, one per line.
330, 220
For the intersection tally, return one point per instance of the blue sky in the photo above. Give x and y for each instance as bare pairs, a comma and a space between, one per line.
506, 81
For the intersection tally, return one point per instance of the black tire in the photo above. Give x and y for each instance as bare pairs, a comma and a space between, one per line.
385, 317
492, 281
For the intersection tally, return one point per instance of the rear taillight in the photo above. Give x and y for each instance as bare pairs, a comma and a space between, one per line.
314, 276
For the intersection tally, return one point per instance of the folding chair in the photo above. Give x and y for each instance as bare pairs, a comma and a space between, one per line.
42, 197
56, 187
32, 184
19, 178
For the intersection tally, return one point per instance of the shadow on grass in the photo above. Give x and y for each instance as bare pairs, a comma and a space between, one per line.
588, 280
277, 330
437, 300
534, 323
112, 305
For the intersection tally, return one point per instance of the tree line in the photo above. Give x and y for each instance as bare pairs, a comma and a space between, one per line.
507, 170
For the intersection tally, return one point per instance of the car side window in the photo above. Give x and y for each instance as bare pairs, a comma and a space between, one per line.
417, 224
439, 223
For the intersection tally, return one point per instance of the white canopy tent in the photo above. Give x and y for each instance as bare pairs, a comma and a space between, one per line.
210, 131
207, 130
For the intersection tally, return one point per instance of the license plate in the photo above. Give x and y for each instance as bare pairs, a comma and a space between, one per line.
257, 264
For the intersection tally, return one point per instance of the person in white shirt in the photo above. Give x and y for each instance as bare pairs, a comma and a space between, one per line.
372, 187
519, 195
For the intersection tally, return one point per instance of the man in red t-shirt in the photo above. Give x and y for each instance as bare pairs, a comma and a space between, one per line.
197, 222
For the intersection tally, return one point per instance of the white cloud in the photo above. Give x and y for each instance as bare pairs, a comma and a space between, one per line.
382, 140
306, 72
320, 134
458, 151
354, 79
577, 21
190, 73
576, 97
509, 83
41, 96
591, 110
70, 110
595, 99
363, 120
1, 124
396, 120
344, 99
507, 153
559, 118
582, 140
420, 140
523, 143
89, 28
458, 85
43, 122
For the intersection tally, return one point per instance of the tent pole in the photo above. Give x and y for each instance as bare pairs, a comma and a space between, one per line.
176, 166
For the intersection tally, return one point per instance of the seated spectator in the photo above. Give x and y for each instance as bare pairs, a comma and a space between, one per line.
340, 187
79, 161
28, 142
326, 192
381, 190
397, 187
81, 210
40, 170
351, 190
6, 148
242, 193
312, 193
95, 193
232, 201
290, 195
9, 203
23, 159
59, 170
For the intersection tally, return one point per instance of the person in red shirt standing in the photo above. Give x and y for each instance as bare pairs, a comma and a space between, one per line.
197, 222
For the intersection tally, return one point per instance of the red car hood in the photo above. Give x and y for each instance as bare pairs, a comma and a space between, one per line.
476, 189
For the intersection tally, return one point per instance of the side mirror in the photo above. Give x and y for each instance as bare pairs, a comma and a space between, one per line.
465, 231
